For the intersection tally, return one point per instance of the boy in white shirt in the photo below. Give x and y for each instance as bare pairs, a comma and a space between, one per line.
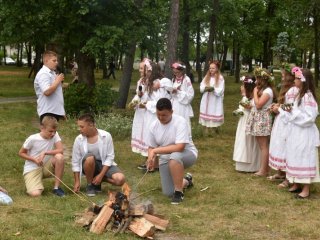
170, 138
42, 152
93, 155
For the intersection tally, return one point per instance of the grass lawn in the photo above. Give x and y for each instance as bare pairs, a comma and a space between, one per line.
235, 205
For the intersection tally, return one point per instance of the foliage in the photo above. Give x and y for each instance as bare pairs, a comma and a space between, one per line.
117, 124
81, 98
282, 50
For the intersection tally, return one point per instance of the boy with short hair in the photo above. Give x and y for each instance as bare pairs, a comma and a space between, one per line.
93, 155
169, 137
48, 88
43, 152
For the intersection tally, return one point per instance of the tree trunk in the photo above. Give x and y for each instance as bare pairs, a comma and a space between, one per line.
316, 45
172, 37
310, 60
126, 76
237, 62
224, 57
186, 36
198, 52
213, 23
86, 68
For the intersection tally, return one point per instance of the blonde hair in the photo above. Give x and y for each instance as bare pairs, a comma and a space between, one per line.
47, 54
49, 121
216, 75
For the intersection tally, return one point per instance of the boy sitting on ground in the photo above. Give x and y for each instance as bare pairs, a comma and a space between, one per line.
43, 155
93, 155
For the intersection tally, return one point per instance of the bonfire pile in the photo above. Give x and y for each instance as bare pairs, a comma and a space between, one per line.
120, 214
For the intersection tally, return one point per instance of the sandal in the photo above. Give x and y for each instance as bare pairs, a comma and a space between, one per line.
284, 184
276, 177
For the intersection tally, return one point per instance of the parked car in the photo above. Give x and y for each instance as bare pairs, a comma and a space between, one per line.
8, 61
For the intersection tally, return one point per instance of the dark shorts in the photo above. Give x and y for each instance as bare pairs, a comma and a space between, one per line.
98, 167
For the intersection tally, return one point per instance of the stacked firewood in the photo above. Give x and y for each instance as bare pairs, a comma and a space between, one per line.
119, 214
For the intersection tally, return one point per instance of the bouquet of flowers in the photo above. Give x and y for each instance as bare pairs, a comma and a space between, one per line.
286, 106
237, 112
208, 89
245, 102
134, 102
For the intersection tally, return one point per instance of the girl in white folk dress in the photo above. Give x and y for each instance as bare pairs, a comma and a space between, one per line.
138, 143
302, 167
246, 152
287, 94
157, 88
211, 106
259, 122
182, 92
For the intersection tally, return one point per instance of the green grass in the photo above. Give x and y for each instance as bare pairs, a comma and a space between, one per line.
235, 205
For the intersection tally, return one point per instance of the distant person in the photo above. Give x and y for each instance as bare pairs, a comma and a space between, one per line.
161, 64
93, 156
112, 68
171, 139
74, 71
42, 152
48, 88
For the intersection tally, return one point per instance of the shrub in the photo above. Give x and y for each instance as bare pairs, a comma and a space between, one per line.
80, 98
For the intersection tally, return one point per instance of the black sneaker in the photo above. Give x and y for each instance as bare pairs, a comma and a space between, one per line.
59, 192
97, 188
90, 191
177, 197
142, 167
188, 177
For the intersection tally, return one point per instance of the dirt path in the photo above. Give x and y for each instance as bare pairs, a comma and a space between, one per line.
17, 99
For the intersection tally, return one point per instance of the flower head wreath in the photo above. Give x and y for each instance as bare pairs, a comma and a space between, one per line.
147, 63
286, 67
246, 80
260, 72
298, 73
178, 66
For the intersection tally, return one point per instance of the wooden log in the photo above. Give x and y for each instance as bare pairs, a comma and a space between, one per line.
85, 219
158, 222
142, 227
140, 209
99, 224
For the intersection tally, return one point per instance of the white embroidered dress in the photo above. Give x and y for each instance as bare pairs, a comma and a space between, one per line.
246, 151
302, 163
278, 135
138, 144
211, 106
181, 100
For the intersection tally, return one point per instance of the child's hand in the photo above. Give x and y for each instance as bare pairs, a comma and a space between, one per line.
3, 190
242, 91
142, 105
76, 187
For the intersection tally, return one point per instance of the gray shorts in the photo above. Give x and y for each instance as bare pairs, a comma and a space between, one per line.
186, 158
98, 167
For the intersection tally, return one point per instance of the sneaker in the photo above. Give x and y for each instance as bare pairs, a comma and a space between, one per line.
97, 188
59, 192
177, 197
188, 177
142, 167
90, 191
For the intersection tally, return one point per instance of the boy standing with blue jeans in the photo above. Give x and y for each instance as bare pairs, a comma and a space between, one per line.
43, 152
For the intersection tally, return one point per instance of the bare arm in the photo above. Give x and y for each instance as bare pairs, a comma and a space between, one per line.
54, 85
260, 101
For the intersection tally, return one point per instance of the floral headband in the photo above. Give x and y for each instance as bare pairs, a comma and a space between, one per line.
260, 72
178, 66
298, 73
287, 67
246, 80
147, 63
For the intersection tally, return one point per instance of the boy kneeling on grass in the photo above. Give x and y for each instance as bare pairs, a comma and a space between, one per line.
170, 137
43, 153
93, 155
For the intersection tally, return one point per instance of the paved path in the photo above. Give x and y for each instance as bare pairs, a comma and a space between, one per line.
17, 99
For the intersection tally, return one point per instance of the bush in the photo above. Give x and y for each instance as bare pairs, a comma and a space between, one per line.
80, 98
